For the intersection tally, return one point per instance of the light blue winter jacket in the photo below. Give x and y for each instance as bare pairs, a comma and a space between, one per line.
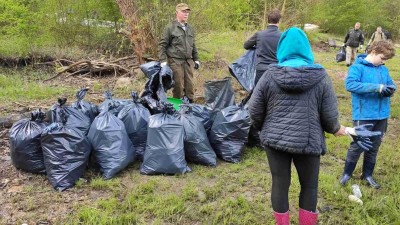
363, 82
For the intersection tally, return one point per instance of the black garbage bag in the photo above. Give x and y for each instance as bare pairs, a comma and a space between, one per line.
89, 109
24, 136
196, 145
164, 152
341, 55
244, 70
219, 94
229, 133
66, 153
112, 148
151, 104
202, 112
116, 104
160, 81
136, 119
151, 69
75, 118
166, 76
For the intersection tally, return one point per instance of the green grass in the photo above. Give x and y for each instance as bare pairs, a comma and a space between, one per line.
230, 193
25, 86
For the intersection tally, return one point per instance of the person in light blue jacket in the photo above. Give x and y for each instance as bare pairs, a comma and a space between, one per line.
371, 87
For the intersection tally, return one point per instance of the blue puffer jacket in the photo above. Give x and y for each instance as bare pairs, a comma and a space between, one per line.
363, 82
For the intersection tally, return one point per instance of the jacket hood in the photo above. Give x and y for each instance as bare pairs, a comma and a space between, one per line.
361, 60
294, 49
296, 79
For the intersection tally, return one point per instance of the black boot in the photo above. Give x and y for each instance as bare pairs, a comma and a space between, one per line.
348, 172
368, 169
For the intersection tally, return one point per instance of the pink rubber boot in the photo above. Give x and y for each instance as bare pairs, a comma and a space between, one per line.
282, 218
307, 217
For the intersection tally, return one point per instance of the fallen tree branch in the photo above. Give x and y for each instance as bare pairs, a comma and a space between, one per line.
98, 67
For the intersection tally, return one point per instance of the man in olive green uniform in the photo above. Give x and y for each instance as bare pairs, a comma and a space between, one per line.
177, 49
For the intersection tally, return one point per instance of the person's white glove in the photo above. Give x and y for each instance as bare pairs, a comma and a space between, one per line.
196, 65
361, 47
163, 64
350, 131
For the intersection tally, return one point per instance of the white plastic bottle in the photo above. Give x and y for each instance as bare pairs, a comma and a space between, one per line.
354, 198
356, 190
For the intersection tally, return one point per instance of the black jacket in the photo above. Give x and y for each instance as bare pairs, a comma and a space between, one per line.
293, 107
354, 38
265, 42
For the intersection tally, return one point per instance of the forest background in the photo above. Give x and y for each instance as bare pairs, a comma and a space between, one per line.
43, 27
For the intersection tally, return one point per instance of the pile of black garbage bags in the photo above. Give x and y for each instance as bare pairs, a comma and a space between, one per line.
118, 132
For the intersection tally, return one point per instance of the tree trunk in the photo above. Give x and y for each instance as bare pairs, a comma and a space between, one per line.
139, 30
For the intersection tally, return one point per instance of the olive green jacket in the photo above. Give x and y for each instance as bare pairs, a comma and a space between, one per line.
177, 43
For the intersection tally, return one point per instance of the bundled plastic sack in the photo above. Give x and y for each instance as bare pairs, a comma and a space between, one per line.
151, 69
341, 55
229, 133
66, 153
75, 118
160, 81
112, 148
26, 151
202, 112
89, 109
219, 94
244, 70
196, 145
118, 104
165, 149
136, 119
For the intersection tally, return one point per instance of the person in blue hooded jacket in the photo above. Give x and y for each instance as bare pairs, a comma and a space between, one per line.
371, 87
292, 105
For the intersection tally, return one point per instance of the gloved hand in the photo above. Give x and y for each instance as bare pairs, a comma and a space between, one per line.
196, 65
163, 64
361, 135
387, 90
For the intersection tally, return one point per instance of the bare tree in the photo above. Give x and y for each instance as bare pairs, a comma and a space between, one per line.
139, 31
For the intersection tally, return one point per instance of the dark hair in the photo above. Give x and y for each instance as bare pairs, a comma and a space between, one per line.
382, 47
274, 16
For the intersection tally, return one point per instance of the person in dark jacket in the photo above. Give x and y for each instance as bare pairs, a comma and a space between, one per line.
177, 48
293, 104
354, 39
265, 43
371, 87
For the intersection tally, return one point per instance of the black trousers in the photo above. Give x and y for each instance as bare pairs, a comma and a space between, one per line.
354, 152
307, 167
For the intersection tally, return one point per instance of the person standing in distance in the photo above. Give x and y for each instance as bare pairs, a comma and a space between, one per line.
177, 48
354, 39
378, 35
265, 43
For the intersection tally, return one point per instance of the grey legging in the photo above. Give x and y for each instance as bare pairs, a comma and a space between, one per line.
307, 167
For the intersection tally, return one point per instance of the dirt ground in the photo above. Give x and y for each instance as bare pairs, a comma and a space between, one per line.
31, 196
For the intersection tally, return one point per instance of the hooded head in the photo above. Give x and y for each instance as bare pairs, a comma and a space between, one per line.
294, 49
